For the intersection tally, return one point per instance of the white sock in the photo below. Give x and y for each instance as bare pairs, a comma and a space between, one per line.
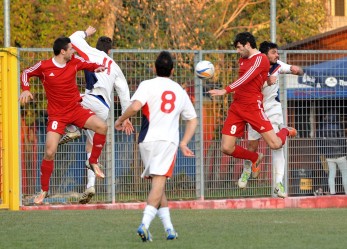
278, 164
164, 215
148, 215
247, 165
91, 175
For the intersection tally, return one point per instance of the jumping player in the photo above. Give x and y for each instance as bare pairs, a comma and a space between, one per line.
247, 105
273, 110
162, 101
98, 97
58, 76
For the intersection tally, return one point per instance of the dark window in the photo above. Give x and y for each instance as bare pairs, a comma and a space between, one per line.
339, 7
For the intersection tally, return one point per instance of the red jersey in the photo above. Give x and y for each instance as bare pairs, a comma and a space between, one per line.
253, 72
59, 82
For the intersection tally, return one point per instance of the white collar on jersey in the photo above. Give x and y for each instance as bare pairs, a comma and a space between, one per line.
57, 63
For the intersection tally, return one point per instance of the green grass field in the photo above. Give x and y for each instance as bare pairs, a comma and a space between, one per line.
212, 229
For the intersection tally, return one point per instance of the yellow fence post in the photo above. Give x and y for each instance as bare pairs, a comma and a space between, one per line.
9, 129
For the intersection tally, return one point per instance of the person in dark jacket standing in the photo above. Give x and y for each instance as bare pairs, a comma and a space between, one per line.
332, 144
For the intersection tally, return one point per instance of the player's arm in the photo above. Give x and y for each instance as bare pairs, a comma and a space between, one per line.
188, 134
80, 44
135, 106
290, 69
35, 70
189, 115
260, 64
122, 89
88, 65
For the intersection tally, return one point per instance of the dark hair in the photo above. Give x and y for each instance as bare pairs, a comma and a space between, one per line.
245, 37
104, 43
265, 46
164, 64
60, 43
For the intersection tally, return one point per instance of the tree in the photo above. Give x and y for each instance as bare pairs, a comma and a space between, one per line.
170, 24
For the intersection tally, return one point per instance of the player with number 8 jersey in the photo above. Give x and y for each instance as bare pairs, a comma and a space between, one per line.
162, 101
160, 116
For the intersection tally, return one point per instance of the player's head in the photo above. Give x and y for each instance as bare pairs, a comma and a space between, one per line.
244, 42
104, 43
63, 46
164, 64
271, 51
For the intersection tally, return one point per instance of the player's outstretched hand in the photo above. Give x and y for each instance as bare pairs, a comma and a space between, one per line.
128, 127
186, 151
217, 92
118, 125
25, 97
90, 31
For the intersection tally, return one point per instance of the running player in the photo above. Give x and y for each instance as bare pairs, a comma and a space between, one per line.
98, 97
273, 110
247, 105
58, 76
162, 101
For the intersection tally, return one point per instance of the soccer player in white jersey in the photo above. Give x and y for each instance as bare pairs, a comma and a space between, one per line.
99, 91
273, 110
162, 101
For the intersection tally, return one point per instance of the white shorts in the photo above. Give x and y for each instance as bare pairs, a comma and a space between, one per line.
158, 158
98, 107
274, 113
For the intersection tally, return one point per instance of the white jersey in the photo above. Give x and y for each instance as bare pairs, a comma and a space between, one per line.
272, 105
163, 102
112, 78
270, 93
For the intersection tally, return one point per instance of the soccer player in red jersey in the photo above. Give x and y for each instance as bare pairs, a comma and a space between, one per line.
58, 76
247, 105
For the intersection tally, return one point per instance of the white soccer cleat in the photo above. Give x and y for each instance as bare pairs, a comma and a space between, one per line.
244, 178
279, 190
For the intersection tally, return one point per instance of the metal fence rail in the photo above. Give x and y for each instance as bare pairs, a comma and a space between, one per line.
210, 175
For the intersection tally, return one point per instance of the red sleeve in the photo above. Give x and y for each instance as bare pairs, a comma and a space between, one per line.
35, 70
88, 65
254, 70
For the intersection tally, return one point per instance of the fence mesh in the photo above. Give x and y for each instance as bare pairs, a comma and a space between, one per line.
210, 174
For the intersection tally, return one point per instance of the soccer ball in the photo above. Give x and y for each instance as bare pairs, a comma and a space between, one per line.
204, 70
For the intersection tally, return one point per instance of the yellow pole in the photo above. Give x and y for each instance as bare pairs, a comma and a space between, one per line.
10, 128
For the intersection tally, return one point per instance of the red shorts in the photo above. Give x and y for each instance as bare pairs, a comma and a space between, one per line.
77, 116
240, 114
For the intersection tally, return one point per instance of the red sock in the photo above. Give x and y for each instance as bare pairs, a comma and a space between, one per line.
242, 153
282, 134
46, 172
98, 143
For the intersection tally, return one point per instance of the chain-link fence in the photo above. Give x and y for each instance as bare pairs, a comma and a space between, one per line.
210, 175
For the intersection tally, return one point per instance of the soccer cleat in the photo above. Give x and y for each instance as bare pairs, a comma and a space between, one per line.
171, 234
292, 132
38, 200
87, 195
244, 178
255, 166
279, 190
69, 136
144, 233
95, 167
